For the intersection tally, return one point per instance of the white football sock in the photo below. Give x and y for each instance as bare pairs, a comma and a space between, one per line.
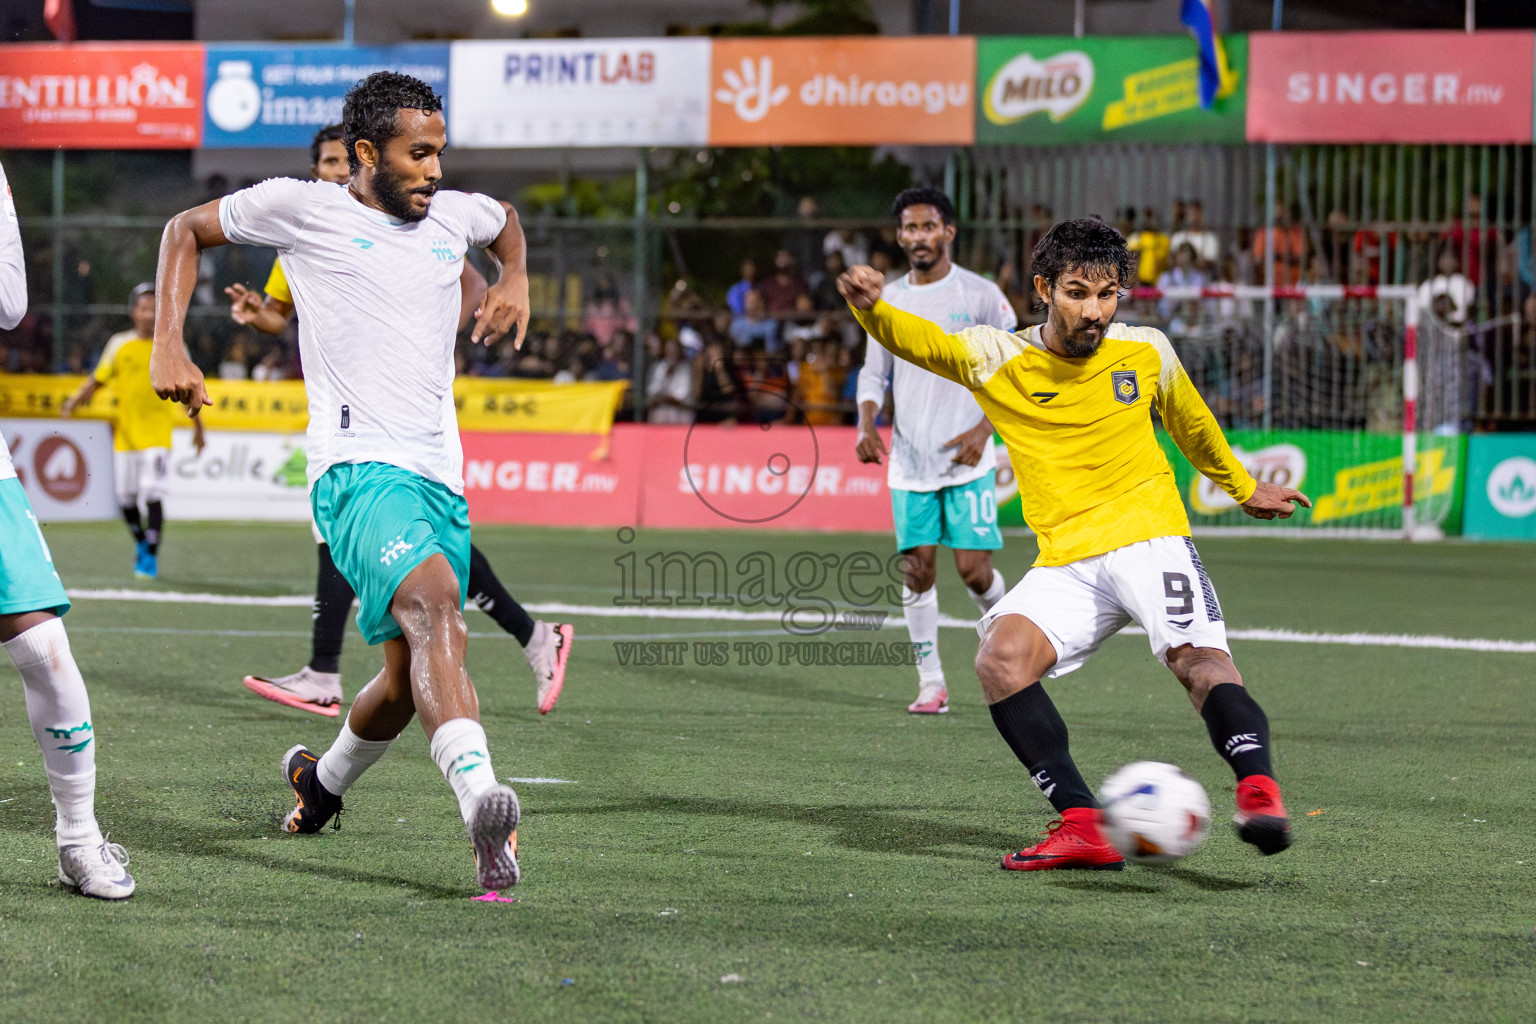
60, 713
346, 760
984, 600
460, 750
922, 613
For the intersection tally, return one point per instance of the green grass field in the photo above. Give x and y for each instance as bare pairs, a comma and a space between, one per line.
781, 842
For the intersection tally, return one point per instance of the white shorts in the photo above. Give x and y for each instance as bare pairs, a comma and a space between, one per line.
140, 475
1159, 583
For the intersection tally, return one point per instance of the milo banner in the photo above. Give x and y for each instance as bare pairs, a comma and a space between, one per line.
281, 406
1354, 480
1048, 90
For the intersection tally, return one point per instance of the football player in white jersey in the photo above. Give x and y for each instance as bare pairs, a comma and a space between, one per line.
31, 600
374, 269
943, 470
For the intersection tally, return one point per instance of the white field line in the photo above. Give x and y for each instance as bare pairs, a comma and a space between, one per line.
1446, 643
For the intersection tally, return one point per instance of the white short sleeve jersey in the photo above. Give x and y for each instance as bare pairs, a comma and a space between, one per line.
378, 302
929, 409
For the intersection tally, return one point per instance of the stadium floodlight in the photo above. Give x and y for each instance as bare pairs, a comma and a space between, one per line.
510, 8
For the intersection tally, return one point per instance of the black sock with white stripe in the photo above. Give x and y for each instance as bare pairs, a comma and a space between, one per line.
1033, 727
1239, 730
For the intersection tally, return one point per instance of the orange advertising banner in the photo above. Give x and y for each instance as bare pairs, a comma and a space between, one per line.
843, 91
101, 95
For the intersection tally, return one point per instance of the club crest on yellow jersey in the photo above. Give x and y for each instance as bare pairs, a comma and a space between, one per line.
1127, 390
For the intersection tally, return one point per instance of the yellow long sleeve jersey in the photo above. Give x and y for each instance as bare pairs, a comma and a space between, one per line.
1092, 477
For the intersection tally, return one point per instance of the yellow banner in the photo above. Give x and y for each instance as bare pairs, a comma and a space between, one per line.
280, 406
1379, 485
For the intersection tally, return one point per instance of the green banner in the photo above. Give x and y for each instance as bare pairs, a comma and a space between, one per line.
1501, 487
1354, 480
1048, 90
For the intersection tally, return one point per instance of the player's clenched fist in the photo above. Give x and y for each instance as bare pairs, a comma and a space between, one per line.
176, 378
861, 286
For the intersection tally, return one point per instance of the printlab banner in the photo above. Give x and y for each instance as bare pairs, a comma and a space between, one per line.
510, 94
281, 95
101, 96
1048, 90
65, 466
1391, 87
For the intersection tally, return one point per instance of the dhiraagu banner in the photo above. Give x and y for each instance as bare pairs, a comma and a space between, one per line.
1047, 90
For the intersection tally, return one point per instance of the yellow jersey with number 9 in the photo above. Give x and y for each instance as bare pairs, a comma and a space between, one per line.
142, 419
1092, 477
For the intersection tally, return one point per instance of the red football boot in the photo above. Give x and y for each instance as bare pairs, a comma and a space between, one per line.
1260, 816
1073, 841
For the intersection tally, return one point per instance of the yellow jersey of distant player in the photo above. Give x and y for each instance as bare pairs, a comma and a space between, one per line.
1092, 477
142, 419
277, 284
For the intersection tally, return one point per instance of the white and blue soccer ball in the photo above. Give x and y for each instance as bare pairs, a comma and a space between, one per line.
1154, 813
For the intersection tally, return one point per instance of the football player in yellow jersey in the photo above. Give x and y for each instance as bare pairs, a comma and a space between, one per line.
1073, 399
141, 429
317, 686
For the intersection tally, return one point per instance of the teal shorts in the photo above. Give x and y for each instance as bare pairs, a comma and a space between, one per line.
962, 517
28, 582
381, 522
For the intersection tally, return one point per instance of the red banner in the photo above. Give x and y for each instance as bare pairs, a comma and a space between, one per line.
780, 478
101, 96
1390, 86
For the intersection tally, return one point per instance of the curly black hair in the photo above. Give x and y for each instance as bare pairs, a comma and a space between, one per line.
372, 109
925, 197
1086, 244
330, 133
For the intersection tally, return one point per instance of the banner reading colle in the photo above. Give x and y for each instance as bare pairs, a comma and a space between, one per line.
843, 92
1047, 90
514, 93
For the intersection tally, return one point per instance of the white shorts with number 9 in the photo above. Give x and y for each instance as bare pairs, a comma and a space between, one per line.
1159, 583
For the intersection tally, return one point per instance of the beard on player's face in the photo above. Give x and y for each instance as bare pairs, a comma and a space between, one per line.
394, 195
923, 255
1080, 338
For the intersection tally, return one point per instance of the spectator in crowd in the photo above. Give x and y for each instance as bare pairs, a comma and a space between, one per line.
819, 383
270, 367
1290, 249
1466, 236
887, 246
768, 385
736, 295
754, 325
1450, 294
233, 366
1197, 236
669, 396
1150, 244
571, 372
716, 388
614, 363
606, 311
852, 246
782, 288
1185, 273
824, 294
534, 362
805, 242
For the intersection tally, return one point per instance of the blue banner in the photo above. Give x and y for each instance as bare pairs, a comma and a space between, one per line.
279, 96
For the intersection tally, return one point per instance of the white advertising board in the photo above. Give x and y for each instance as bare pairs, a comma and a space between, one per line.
579, 92
239, 475
65, 466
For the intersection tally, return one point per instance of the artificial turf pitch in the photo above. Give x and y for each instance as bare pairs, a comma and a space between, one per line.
781, 842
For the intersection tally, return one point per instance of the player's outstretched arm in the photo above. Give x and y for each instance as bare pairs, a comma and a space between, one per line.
172, 373
505, 304
911, 337
1195, 430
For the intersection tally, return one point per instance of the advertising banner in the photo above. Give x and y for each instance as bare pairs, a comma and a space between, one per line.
1501, 487
1048, 90
281, 95
101, 96
783, 478
65, 468
849, 91
1391, 87
554, 479
239, 475
1354, 480
583, 407
515, 93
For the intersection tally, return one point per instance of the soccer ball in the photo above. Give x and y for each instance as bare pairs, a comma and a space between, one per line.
1154, 813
